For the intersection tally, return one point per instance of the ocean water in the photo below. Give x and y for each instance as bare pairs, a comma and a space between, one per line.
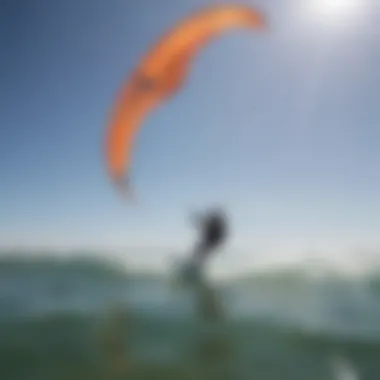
88, 319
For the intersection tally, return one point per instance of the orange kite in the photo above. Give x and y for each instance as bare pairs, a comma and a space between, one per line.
161, 73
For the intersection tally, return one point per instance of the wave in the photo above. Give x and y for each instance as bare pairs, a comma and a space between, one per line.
329, 304
142, 346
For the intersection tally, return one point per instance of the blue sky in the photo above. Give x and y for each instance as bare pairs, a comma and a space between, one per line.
281, 127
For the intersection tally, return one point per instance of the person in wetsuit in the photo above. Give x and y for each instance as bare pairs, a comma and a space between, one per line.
212, 227
213, 233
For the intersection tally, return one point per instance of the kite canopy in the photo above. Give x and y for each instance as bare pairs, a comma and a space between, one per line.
161, 73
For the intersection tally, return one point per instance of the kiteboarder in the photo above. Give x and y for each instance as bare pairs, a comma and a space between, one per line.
213, 232
212, 227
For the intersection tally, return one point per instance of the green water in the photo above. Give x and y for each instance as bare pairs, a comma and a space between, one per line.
100, 325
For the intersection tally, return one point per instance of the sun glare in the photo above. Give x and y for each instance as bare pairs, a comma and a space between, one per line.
335, 13
336, 8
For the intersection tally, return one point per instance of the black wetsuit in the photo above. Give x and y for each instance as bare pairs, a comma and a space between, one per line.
213, 234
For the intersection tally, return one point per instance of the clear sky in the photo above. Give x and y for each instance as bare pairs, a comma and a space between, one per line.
283, 128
